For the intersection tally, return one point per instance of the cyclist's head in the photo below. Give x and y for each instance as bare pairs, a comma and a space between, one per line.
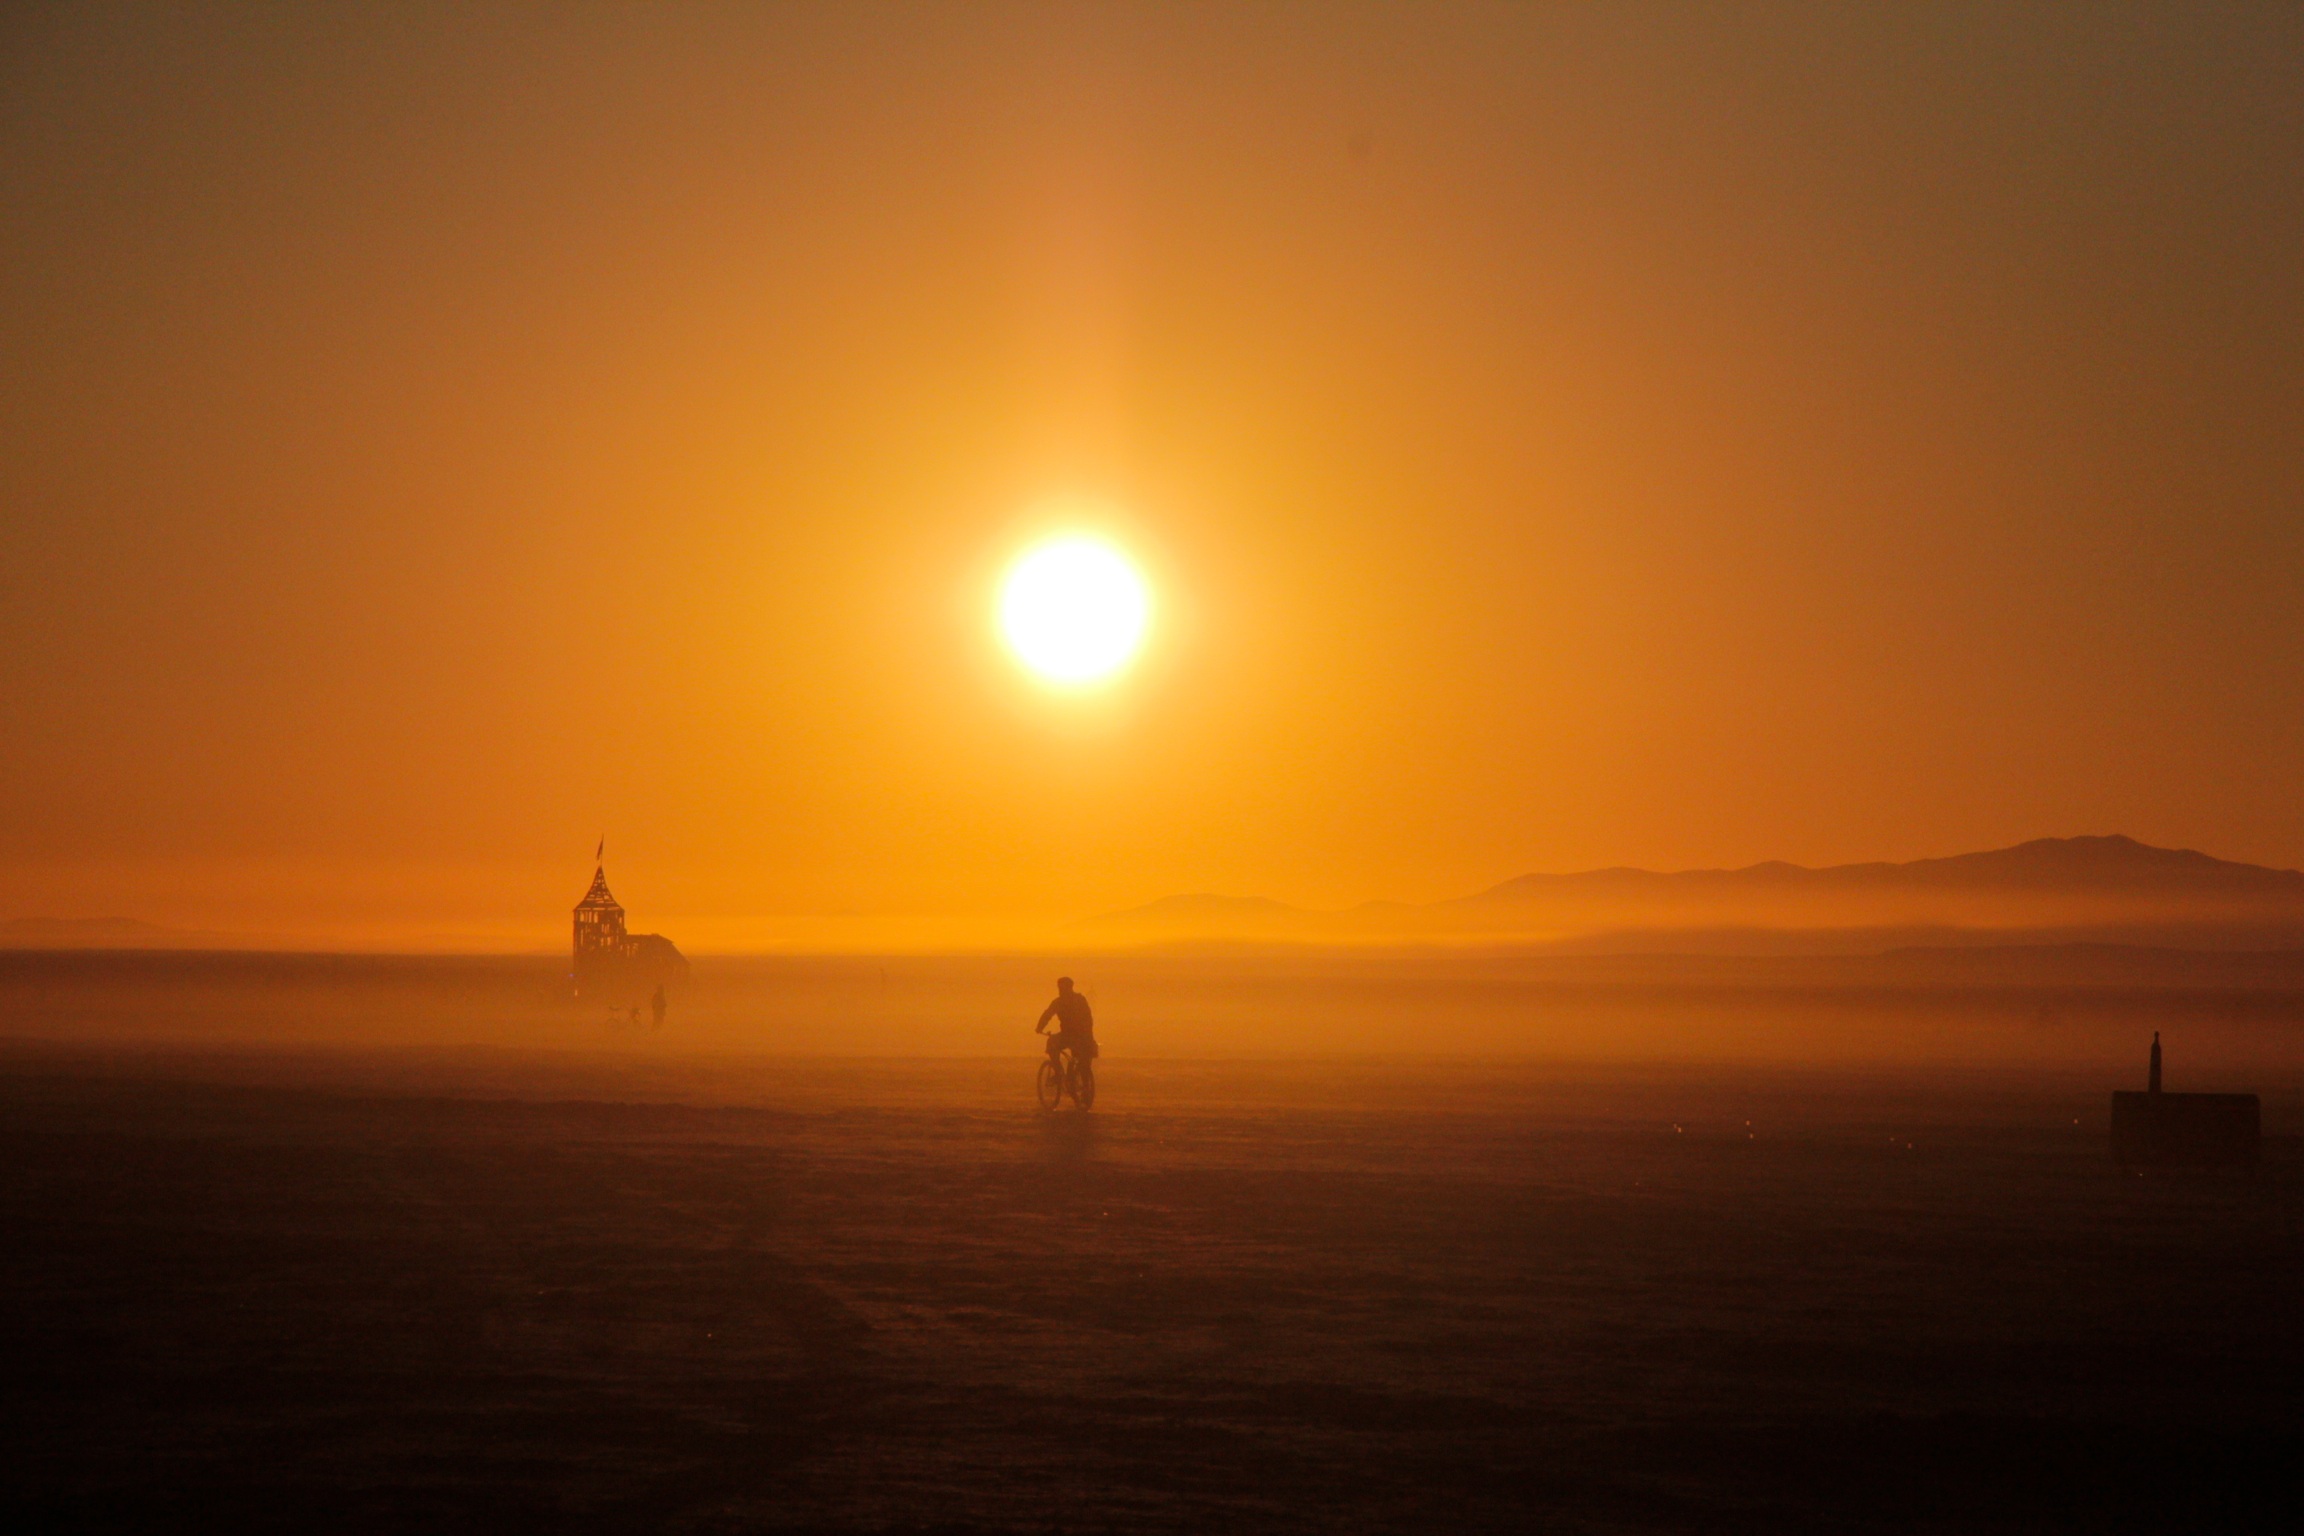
1063, 983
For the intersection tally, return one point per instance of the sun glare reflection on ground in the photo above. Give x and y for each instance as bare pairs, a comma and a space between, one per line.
1074, 610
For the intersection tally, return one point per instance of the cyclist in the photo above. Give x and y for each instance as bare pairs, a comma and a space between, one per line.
1075, 1025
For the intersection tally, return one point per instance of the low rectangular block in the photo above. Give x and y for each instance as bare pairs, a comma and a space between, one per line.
2186, 1130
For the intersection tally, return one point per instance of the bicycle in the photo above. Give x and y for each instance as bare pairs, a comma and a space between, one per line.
1067, 1072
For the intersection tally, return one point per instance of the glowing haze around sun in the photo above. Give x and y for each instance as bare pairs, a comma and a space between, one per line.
1074, 610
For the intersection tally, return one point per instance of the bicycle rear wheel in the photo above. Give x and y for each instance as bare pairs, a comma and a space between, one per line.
1084, 1084
1051, 1083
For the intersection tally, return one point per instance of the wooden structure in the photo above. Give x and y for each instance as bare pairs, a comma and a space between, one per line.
615, 966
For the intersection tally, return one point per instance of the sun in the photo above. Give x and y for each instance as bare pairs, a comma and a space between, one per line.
1073, 609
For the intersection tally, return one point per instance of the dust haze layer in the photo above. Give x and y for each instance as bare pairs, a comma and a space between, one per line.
2230, 1018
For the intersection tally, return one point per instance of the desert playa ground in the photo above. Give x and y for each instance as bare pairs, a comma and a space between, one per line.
294, 1285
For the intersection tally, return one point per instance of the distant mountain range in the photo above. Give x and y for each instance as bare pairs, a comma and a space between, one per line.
2072, 889
2051, 891
106, 933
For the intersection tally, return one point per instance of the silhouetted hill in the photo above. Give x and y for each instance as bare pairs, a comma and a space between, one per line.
2045, 864
2077, 889
101, 933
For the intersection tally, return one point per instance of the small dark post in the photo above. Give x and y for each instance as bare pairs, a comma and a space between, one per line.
2185, 1130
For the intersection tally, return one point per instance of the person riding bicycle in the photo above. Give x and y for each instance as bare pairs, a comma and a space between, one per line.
1075, 1025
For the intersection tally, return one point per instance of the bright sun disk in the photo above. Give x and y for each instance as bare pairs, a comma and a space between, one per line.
1073, 609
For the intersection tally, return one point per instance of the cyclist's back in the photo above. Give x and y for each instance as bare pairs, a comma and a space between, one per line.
1075, 1022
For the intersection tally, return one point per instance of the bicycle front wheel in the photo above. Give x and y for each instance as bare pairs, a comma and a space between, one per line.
1051, 1084
1084, 1085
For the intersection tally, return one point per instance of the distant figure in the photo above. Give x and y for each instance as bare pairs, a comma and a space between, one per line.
1075, 1025
656, 1005
2152, 1084
635, 1015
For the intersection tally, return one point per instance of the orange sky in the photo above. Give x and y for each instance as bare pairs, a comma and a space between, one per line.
437, 436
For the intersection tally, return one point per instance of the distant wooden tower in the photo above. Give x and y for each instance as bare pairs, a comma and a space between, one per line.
613, 964
601, 942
